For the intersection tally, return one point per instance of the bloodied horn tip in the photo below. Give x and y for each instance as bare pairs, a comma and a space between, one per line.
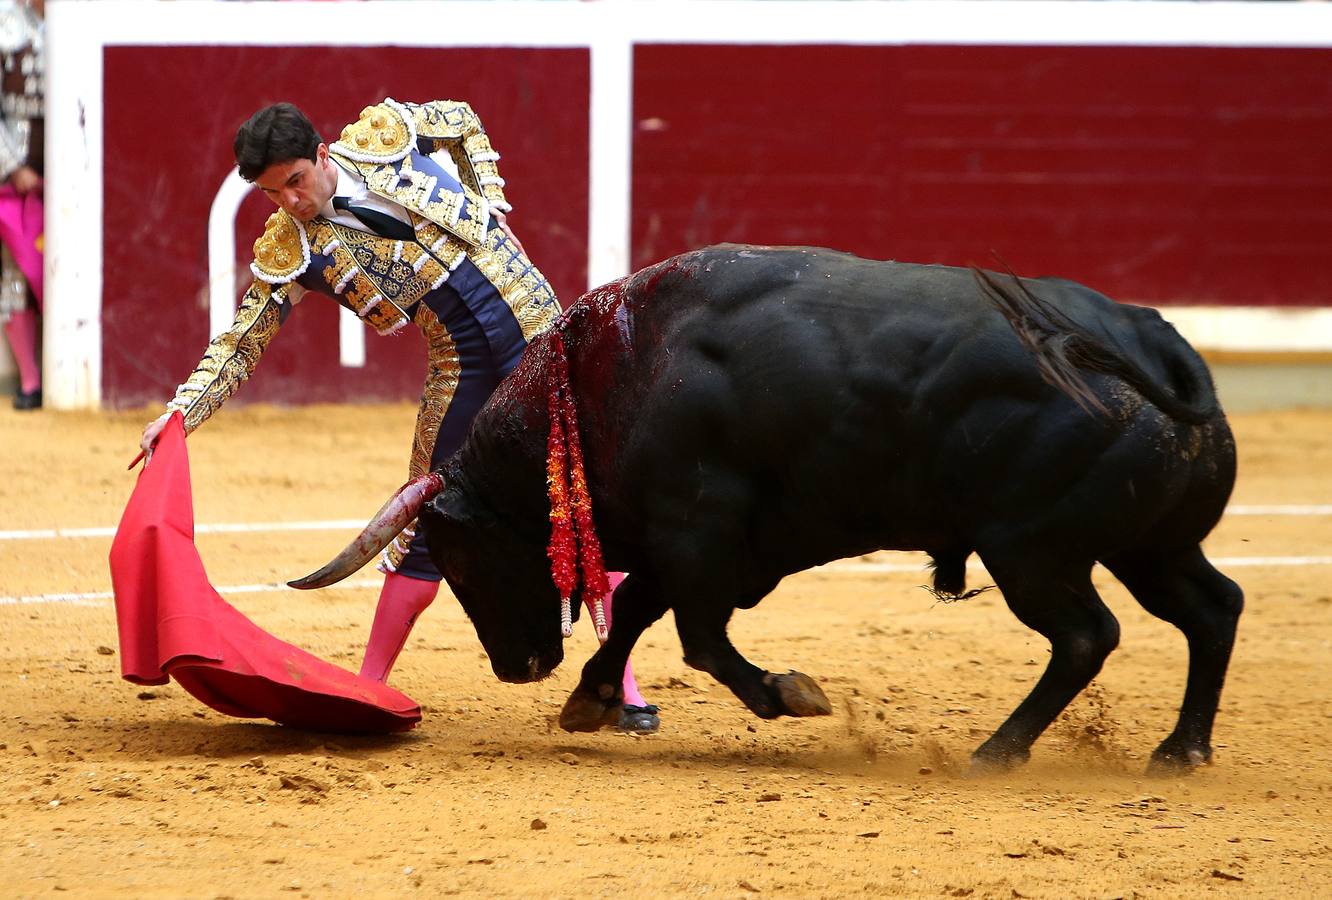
309, 582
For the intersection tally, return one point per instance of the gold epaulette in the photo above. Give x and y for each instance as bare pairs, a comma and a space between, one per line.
282, 252
384, 133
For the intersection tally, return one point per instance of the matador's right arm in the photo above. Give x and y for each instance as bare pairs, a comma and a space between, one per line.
233, 355
281, 255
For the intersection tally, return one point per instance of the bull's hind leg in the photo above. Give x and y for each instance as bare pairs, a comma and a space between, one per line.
597, 700
702, 629
1186, 591
1056, 599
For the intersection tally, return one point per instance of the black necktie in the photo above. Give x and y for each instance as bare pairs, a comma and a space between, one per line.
380, 223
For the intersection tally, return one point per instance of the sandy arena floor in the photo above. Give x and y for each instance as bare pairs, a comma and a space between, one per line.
115, 790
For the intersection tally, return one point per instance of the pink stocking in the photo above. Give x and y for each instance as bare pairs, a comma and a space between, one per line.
21, 330
631, 695
401, 601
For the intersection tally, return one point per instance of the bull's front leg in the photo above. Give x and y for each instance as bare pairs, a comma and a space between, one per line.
768, 695
596, 701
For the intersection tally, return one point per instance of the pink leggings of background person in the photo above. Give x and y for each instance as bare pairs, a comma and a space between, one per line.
21, 219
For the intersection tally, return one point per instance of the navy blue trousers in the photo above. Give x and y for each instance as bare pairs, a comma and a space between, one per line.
489, 343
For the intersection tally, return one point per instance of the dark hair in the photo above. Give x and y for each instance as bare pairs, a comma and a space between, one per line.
275, 134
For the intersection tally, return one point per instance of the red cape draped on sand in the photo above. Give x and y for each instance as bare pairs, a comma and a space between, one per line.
173, 624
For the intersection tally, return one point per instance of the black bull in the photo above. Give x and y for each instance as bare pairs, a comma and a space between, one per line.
747, 413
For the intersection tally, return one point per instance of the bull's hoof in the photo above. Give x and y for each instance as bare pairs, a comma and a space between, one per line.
991, 767
987, 762
586, 712
1178, 758
800, 695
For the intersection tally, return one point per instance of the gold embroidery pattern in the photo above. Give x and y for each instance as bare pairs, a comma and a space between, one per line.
407, 186
340, 272
412, 255
422, 194
448, 121
364, 267
232, 356
444, 370
466, 172
443, 247
444, 119
281, 253
482, 159
379, 134
440, 242
444, 209
478, 144
395, 279
524, 289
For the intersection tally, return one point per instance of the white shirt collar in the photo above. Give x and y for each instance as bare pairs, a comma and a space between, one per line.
351, 186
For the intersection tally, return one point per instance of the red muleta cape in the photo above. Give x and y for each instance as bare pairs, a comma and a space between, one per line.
174, 625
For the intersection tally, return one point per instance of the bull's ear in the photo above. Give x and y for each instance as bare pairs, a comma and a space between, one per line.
446, 508
452, 508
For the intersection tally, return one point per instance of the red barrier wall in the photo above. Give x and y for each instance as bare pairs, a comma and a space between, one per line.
1157, 175
171, 114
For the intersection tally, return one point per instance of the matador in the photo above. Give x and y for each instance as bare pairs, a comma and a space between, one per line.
402, 220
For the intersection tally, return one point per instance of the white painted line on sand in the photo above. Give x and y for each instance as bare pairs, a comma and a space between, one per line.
99, 598
1221, 562
1317, 509
1323, 509
221, 528
1224, 561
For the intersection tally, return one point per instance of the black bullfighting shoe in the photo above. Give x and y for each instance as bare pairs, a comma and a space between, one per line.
639, 720
28, 399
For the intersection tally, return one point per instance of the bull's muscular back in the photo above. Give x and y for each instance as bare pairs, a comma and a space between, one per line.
748, 412
754, 411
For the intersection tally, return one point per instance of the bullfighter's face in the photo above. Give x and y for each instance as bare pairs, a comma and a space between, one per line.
301, 187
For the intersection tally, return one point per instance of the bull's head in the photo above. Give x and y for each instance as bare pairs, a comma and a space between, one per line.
503, 583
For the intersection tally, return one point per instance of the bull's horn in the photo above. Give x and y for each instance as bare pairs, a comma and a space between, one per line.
392, 518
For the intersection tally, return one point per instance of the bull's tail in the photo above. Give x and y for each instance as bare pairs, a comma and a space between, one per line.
1062, 349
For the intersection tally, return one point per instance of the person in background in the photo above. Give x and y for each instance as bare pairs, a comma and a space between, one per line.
21, 166
404, 221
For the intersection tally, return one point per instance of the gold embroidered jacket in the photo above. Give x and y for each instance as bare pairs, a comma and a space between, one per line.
378, 278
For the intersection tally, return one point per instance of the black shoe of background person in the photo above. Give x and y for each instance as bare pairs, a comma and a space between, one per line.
28, 400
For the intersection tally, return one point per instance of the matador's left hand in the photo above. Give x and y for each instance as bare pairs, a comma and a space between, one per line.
503, 221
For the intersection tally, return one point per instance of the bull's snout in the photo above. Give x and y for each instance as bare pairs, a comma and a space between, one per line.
537, 667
